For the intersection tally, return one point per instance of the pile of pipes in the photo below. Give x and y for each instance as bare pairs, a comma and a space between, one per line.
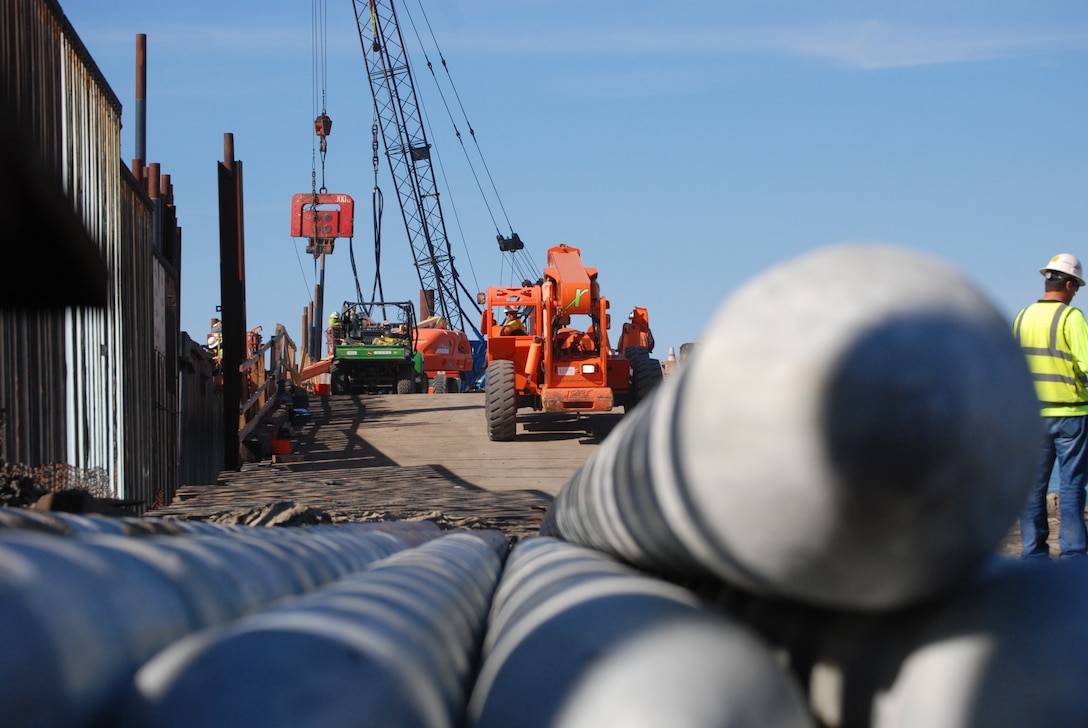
834, 468
798, 528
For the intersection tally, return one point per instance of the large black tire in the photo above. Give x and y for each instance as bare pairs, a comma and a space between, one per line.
405, 383
439, 384
501, 400
645, 374
338, 383
453, 385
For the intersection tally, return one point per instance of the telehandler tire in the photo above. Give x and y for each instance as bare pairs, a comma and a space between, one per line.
501, 400
337, 380
645, 374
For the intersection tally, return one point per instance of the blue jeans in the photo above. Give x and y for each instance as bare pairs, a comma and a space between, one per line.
1065, 439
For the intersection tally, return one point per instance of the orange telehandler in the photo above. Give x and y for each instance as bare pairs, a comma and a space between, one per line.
546, 363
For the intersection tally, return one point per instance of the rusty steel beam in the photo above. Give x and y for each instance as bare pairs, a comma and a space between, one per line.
233, 302
141, 97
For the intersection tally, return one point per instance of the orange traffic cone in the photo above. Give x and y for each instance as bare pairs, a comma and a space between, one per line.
670, 363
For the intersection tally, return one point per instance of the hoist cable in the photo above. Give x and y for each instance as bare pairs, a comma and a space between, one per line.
377, 293
377, 206
302, 271
461, 106
519, 267
453, 122
354, 270
437, 157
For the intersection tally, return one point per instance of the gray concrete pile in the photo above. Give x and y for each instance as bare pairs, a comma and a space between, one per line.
836, 464
81, 614
393, 645
798, 528
580, 641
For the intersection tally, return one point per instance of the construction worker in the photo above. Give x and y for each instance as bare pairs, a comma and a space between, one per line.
512, 326
334, 324
1054, 336
215, 338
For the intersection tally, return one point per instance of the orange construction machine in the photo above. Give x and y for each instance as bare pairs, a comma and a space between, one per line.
447, 355
547, 348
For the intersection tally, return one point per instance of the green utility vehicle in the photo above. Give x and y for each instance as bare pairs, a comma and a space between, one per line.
374, 349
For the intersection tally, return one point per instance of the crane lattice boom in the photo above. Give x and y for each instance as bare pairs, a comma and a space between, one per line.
409, 153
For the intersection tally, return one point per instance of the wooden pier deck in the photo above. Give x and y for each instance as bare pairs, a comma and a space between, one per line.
400, 457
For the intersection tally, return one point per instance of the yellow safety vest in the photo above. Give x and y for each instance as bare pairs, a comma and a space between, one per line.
1040, 329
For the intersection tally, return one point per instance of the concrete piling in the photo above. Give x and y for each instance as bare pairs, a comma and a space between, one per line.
393, 645
1006, 647
828, 475
857, 429
81, 614
577, 639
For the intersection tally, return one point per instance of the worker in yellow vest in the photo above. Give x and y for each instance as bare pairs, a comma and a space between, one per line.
334, 325
512, 326
1054, 337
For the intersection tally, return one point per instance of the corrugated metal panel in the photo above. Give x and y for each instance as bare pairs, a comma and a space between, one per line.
90, 392
91, 147
201, 429
56, 388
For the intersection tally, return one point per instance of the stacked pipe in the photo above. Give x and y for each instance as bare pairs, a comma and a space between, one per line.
857, 429
842, 454
395, 645
577, 639
1007, 648
71, 524
81, 614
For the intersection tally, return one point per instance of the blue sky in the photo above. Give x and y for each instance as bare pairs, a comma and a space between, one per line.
684, 150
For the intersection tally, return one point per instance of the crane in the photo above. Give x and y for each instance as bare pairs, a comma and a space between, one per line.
409, 153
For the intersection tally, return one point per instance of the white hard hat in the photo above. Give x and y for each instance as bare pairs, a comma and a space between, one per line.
1064, 263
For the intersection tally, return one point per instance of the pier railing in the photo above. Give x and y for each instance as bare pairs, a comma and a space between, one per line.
264, 374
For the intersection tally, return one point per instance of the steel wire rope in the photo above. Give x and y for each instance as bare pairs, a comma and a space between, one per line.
319, 41
518, 267
316, 80
436, 154
457, 96
377, 206
453, 122
302, 271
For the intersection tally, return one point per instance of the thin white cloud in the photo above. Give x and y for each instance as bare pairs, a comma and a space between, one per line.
869, 44
876, 44
863, 44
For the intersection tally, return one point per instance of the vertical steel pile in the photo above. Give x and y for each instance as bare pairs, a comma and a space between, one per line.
577, 639
88, 336
59, 176
80, 615
395, 645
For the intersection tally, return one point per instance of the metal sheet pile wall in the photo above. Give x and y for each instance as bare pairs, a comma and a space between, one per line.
57, 384
201, 423
93, 390
148, 358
